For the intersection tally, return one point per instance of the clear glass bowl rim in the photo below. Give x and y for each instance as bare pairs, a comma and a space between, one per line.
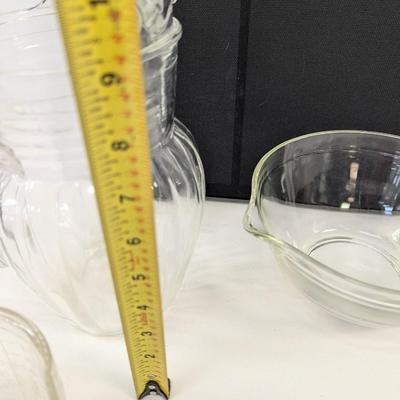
338, 276
41, 2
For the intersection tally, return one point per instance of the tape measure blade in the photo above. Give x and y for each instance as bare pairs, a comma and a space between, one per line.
103, 46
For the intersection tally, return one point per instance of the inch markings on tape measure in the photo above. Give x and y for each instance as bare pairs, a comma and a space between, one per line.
103, 44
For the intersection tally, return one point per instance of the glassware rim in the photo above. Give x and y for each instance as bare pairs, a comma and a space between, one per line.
166, 40
300, 138
38, 341
250, 228
40, 3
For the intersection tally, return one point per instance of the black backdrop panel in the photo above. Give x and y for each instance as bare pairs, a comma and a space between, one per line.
295, 67
207, 74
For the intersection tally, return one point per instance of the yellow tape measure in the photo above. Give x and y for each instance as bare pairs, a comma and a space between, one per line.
103, 45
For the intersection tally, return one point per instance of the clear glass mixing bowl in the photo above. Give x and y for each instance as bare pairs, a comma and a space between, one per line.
27, 370
329, 204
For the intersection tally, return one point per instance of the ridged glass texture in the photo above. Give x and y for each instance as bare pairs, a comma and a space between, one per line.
27, 370
50, 231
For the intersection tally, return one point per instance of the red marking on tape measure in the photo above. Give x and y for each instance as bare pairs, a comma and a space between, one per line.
125, 95
117, 37
144, 319
115, 15
120, 59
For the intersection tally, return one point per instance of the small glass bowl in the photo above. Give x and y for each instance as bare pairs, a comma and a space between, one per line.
27, 369
329, 203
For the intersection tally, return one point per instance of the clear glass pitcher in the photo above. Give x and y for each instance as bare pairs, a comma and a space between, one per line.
50, 230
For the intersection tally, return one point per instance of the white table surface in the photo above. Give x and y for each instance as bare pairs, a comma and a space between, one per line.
237, 330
